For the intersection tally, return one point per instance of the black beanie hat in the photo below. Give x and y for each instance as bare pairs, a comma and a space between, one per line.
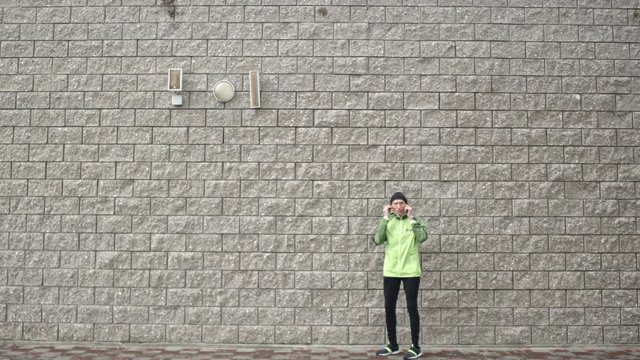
398, 195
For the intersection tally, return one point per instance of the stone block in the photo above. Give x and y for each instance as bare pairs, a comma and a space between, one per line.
513, 335
567, 316
293, 334
239, 316
477, 335
40, 332
220, 334
147, 333
313, 280
184, 333
620, 334
531, 316
113, 296
549, 334
584, 334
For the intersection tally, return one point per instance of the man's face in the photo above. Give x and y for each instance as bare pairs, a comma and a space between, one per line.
398, 206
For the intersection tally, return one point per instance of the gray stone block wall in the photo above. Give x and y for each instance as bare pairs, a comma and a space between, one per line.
511, 125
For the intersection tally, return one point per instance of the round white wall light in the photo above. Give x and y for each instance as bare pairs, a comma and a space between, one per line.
223, 91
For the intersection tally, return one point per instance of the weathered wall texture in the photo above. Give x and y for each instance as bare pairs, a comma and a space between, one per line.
511, 125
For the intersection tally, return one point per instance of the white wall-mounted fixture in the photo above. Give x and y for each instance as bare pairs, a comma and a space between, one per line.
174, 84
254, 89
223, 91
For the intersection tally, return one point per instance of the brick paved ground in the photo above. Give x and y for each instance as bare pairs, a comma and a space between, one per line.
155, 352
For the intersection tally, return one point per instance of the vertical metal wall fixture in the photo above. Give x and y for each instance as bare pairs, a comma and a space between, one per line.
254, 89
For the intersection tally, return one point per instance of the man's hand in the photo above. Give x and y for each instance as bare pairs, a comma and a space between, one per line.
386, 210
409, 210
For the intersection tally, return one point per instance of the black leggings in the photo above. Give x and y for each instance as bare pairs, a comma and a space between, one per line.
391, 290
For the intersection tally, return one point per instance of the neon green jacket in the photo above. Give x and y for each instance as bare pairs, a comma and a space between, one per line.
403, 237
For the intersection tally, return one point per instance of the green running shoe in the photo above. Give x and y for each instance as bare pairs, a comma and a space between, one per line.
388, 350
414, 352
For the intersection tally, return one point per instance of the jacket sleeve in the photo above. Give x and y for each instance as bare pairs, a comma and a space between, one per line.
381, 232
420, 230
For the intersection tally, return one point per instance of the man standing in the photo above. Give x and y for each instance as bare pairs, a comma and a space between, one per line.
403, 234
